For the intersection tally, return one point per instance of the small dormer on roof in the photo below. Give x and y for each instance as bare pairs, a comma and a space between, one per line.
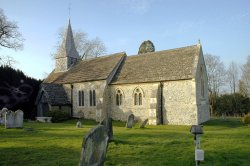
67, 48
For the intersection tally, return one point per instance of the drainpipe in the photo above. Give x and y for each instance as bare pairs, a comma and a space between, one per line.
71, 99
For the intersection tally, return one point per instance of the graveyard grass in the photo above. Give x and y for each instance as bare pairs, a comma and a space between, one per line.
225, 142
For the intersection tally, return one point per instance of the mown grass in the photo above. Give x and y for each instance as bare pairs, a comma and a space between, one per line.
225, 142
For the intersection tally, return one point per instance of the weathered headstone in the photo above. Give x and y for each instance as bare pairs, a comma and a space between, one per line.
14, 119
78, 124
9, 119
2, 116
107, 122
130, 121
19, 119
143, 124
94, 147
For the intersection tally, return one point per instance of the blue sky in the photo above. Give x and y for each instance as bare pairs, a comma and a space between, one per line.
223, 26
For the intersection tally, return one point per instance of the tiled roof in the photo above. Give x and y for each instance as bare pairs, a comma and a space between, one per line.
87, 70
55, 94
174, 64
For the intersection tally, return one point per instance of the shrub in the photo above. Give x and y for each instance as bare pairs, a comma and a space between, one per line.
58, 115
246, 119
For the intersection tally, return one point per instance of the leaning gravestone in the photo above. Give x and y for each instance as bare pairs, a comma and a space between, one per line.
19, 119
144, 123
130, 121
107, 122
94, 147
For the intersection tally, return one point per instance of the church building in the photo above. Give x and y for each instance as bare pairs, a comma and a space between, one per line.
165, 87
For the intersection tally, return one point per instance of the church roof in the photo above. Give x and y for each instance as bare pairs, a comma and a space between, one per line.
87, 70
54, 93
174, 64
67, 48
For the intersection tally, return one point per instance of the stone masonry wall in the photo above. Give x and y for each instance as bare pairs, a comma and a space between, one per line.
148, 109
87, 111
61, 64
179, 102
202, 101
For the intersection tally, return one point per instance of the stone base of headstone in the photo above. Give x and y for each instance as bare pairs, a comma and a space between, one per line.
94, 147
44, 119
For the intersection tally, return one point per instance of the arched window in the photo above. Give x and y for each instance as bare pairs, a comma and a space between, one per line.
138, 97
94, 98
81, 98
118, 97
90, 98
202, 81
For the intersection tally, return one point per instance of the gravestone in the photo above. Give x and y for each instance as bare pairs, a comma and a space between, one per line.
9, 119
107, 122
14, 119
19, 119
130, 121
78, 124
2, 116
143, 124
94, 147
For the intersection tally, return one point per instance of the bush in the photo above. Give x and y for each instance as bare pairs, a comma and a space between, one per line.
58, 115
246, 119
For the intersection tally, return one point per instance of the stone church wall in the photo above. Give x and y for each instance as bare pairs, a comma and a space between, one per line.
202, 101
87, 111
148, 109
179, 102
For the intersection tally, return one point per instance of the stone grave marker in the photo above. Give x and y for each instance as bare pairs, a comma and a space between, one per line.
2, 116
78, 124
9, 119
130, 121
14, 119
94, 147
107, 122
143, 124
19, 119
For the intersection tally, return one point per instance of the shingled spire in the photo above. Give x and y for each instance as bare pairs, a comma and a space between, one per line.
67, 54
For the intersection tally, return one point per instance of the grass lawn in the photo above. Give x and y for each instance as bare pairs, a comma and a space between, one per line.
225, 142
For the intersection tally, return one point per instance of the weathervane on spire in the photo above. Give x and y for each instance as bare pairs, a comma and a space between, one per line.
199, 41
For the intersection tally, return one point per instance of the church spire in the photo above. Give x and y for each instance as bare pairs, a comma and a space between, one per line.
67, 54
67, 49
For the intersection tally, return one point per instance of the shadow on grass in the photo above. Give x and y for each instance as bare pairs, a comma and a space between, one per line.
228, 122
51, 155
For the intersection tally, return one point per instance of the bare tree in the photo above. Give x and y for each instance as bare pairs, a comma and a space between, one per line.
10, 37
8, 61
85, 47
233, 76
216, 78
245, 77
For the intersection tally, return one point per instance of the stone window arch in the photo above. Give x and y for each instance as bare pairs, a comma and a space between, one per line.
92, 98
138, 95
81, 98
119, 97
